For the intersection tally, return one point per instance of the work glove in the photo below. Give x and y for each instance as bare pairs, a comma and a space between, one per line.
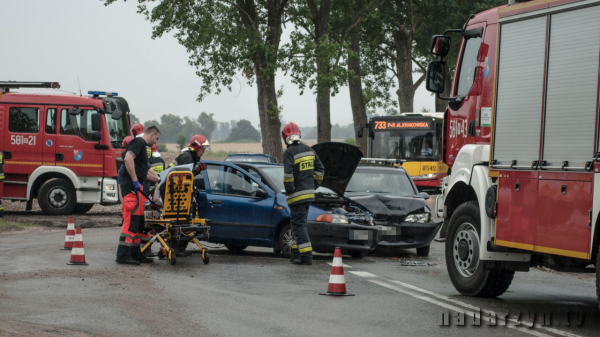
199, 168
136, 186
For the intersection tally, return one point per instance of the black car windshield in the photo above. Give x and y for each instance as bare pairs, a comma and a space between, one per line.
248, 159
276, 176
394, 182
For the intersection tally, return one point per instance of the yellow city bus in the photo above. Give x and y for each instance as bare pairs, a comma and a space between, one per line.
414, 140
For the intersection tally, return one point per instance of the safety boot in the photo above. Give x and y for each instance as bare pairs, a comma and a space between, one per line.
127, 260
303, 260
295, 255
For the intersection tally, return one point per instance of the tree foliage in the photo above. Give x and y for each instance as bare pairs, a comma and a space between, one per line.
243, 130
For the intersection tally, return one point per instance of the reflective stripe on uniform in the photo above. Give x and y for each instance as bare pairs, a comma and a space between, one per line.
304, 154
303, 159
304, 245
294, 246
318, 177
300, 193
304, 250
302, 197
288, 178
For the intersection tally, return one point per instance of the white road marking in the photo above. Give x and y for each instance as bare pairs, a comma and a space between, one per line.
454, 308
343, 265
363, 273
466, 305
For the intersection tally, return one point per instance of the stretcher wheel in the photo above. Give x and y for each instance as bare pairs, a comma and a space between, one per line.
173, 258
206, 258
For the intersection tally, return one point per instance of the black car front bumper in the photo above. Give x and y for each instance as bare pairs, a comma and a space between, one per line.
407, 234
326, 236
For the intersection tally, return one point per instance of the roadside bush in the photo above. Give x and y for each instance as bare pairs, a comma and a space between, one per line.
162, 147
351, 141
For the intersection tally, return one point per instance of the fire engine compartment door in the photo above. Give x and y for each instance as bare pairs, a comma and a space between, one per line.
49, 156
74, 142
23, 140
572, 88
519, 96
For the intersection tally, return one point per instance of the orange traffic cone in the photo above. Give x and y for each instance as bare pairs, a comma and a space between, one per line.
337, 282
77, 253
70, 238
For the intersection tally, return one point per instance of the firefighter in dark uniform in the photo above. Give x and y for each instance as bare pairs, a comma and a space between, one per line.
192, 155
137, 170
303, 173
1, 185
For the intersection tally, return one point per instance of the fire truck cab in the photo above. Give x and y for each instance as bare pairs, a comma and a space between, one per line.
63, 150
521, 138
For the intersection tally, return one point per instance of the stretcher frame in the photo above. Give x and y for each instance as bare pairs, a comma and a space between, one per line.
175, 219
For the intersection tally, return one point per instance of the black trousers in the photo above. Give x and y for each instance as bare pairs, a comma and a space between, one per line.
299, 212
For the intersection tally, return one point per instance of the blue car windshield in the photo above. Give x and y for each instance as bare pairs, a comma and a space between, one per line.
386, 182
248, 159
276, 176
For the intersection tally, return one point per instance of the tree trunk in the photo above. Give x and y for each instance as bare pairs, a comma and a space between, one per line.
441, 104
321, 21
270, 126
359, 111
406, 90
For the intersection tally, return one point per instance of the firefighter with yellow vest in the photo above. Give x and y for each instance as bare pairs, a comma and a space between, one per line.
303, 173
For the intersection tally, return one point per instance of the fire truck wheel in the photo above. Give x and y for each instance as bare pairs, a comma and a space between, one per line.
598, 278
57, 197
82, 208
466, 271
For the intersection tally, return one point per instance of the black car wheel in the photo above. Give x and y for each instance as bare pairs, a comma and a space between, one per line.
358, 254
235, 247
423, 251
284, 242
82, 208
466, 271
57, 197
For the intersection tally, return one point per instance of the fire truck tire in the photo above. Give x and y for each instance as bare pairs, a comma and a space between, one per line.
82, 208
466, 271
598, 278
57, 197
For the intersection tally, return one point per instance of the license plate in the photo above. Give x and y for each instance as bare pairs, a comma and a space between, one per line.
390, 230
359, 235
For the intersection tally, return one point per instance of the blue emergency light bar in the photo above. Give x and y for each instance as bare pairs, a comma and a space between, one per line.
103, 93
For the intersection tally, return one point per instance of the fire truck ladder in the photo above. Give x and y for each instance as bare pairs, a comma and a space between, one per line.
7, 85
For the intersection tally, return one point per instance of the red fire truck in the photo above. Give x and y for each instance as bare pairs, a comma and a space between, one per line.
521, 138
64, 150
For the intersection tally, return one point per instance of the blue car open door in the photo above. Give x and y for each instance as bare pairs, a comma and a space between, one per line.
239, 207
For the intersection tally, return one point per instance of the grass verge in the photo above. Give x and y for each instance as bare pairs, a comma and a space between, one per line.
9, 226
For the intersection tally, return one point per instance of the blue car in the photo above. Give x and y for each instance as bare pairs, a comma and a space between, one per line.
250, 158
246, 205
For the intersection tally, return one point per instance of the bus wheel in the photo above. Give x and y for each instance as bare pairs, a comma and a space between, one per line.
465, 269
57, 197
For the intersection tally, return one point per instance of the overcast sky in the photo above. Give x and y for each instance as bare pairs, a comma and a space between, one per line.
109, 48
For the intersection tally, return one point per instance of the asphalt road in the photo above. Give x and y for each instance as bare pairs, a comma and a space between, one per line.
253, 293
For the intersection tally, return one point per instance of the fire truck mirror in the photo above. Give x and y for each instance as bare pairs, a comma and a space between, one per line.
97, 136
436, 76
96, 122
440, 45
75, 111
116, 114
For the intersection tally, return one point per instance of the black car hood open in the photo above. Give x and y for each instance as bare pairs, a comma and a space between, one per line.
390, 206
340, 161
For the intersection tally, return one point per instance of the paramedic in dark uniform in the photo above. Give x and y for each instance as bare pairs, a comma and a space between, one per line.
303, 173
137, 170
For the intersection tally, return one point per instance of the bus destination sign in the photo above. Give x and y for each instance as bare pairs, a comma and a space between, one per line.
391, 125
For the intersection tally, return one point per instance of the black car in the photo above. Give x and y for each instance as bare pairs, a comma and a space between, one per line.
399, 208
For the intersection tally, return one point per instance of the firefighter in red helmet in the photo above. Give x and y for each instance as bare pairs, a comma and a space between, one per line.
303, 173
192, 155
137, 129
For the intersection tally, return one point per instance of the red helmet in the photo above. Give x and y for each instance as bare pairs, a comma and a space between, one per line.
126, 140
154, 148
290, 133
199, 141
137, 129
